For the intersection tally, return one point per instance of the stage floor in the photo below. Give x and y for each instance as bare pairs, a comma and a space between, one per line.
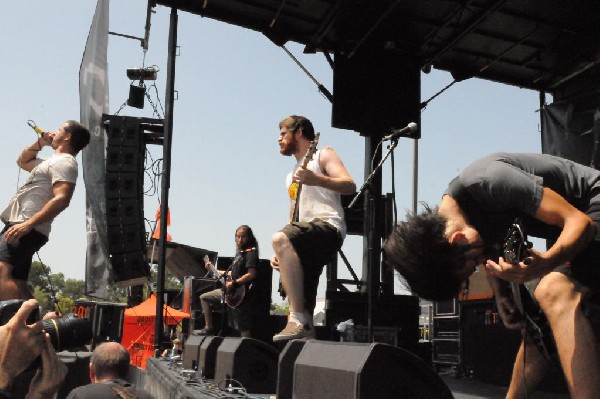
463, 388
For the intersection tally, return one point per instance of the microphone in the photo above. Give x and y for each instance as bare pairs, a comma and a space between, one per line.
408, 129
38, 131
35, 127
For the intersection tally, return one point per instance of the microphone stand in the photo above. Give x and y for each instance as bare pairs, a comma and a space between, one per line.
369, 207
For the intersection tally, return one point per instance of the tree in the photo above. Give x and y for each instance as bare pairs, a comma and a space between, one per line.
171, 282
38, 274
42, 297
73, 289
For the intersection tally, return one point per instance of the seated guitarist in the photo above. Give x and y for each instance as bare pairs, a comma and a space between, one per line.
241, 273
556, 199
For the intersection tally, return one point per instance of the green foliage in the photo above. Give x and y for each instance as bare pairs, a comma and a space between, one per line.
64, 304
42, 297
116, 294
280, 308
171, 282
47, 285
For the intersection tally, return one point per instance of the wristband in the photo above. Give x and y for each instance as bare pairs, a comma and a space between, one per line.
235, 284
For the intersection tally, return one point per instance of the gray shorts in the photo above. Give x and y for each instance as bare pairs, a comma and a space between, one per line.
239, 318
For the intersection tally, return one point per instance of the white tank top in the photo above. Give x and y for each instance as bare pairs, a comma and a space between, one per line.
318, 202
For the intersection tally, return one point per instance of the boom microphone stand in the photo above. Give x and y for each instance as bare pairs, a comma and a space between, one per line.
369, 213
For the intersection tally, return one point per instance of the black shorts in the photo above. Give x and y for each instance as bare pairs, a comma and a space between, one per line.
20, 257
586, 266
316, 244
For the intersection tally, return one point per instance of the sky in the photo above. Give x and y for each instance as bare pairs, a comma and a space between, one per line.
233, 87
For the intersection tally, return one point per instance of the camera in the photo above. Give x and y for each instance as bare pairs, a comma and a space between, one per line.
66, 333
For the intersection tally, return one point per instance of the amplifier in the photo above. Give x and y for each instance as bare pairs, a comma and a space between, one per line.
106, 319
444, 327
446, 308
446, 351
192, 288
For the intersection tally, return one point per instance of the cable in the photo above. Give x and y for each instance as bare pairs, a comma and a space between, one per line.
321, 88
51, 286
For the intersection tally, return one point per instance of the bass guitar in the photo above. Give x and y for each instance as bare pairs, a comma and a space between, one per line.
295, 190
233, 297
537, 327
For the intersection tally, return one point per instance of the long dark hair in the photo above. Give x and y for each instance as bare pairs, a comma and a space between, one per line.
252, 242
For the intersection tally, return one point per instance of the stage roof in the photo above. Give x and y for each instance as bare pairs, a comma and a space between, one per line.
535, 44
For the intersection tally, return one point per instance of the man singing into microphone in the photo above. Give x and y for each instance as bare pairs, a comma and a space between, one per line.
44, 195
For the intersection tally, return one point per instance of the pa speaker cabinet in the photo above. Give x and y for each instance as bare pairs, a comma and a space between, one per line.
208, 356
375, 89
285, 368
106, 319
352, 370
191, 351
251, 362
400, 311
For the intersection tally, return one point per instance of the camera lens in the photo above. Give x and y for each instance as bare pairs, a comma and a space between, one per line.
69, 332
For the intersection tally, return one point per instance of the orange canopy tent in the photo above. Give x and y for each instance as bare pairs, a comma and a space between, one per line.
138, 329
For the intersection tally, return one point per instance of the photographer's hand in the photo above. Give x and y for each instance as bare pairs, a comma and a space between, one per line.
20, 344
50, 376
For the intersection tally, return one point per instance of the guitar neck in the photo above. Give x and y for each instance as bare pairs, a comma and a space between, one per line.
296, 214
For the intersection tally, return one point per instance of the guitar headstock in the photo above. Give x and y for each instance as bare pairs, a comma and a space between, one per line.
516, 244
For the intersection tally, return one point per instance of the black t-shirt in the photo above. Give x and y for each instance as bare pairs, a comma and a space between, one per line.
244, 260
496, 189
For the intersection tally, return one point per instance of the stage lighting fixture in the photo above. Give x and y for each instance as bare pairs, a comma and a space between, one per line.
136, 96
148, 73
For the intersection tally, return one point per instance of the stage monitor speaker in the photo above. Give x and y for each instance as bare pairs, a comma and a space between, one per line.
285, 368
191, 352
251, 362
208, 356
336, 370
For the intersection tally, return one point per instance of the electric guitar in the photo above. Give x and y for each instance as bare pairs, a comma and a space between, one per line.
297, 189
232, 297
537, 327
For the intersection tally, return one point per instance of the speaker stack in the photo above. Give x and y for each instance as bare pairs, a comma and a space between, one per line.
124, 197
